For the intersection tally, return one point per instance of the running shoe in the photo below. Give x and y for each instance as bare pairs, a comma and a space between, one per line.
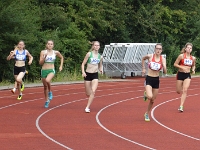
22, 86
13, 90
87, 110
19, 97
46, 105
180, 108
146, 117
50, 95
145, 96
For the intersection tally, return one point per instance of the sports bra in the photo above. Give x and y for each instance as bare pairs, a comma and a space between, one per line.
92, 60
186, 61
20, 57
156, 66
50, 58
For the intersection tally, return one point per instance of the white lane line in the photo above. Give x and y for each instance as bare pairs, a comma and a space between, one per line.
63, 105
98, 121
68, 102
44, 134
37, 121
152, 115
30, 93
115, 134
65, 87
36, 99
40, 116
20, 103
54, 86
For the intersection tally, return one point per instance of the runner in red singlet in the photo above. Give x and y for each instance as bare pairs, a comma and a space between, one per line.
185, 62
156, 62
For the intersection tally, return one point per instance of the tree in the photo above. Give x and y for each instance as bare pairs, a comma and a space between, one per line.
19, 21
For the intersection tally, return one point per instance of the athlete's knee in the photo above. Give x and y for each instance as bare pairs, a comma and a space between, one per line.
93, 92
185, 90
150, 97
45, 87
87, 94
19, 80
179, 92
47, 80
18, 84
152, 101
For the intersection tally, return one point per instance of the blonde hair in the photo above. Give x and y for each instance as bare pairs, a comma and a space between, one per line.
16, 47
92, 43
183, 49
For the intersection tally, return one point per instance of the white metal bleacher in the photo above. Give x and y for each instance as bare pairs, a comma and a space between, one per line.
122, 59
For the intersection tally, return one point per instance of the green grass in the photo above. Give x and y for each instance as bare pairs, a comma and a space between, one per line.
65, 77
59, 77
197, 73
5, 83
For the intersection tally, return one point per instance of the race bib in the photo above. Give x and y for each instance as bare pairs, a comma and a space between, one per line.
94, 61
49, 58
20, 57
188, 62
155, 66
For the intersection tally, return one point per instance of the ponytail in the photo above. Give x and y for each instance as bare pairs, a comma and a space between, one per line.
15, 48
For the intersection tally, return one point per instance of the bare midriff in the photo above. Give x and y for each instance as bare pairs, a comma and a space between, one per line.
153, 73
187, 69
19, 63
92, 68
48, 66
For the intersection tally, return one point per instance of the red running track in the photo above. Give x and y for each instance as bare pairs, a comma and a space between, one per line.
116, 121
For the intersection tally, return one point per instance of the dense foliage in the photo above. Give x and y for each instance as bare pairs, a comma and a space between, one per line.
72, 24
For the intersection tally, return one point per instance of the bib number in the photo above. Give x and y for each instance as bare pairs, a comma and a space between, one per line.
94, 61
155, 66
20, 57
49, 58
188, 62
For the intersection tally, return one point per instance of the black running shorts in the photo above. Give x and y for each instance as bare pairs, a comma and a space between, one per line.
182, 76
17, 70
91, 76
152, 81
